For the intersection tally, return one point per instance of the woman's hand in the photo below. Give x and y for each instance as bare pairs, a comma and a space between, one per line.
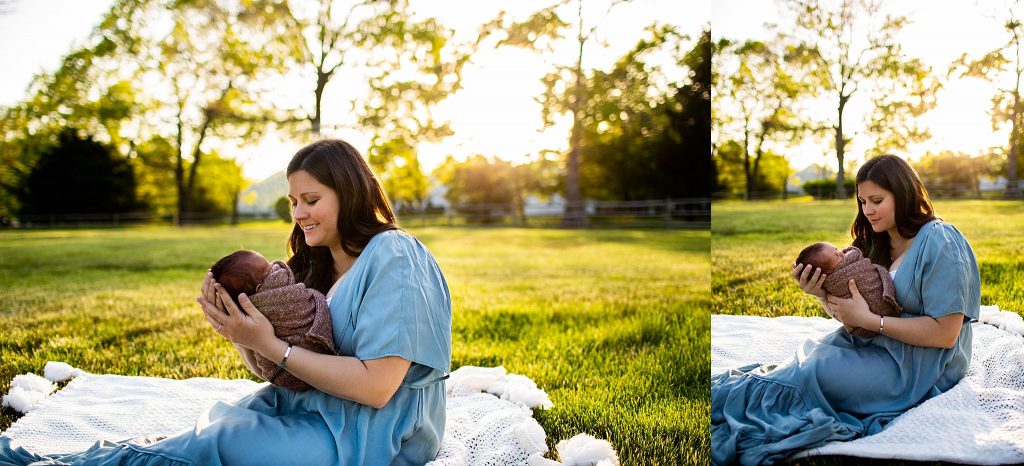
853, 311
809, 282
246, 327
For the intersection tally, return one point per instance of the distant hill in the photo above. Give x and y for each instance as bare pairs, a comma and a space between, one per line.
261, 196
813, 172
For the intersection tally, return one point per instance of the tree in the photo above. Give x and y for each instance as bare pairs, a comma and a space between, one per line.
417, 66
849, 54
78, 94
761, 90
771, 177
213, 63
482, 188
197, 86
548, 23
686, 160
410, 64
488, 188
378, 35
283, 208
400, 174
1007, 103
220, 183
950, 174
153, 162
79, 176
643, 139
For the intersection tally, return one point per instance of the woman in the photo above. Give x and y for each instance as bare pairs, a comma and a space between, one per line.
845, 386
383, 401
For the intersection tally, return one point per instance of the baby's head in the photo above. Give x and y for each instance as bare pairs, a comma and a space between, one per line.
241, 272
822, 255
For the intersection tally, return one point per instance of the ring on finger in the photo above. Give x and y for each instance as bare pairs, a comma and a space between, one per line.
221, 327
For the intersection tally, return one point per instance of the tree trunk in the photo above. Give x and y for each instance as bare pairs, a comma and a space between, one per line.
321, 82
234, 207
1012, 188
785, 183
179, 169
840, 152
574, 215
746, 163
186, 198
765, 128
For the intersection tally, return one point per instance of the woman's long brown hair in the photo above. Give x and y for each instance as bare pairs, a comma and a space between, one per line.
363, 208
912, 208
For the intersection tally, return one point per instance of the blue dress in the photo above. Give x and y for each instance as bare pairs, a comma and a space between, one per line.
394, 301
843, 386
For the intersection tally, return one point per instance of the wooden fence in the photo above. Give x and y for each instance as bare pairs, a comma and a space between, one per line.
666, 213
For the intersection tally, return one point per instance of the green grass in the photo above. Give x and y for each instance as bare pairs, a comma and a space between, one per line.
613, 324
754, 243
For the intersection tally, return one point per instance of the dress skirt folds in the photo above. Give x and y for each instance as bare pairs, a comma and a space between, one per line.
844, 386
394, 301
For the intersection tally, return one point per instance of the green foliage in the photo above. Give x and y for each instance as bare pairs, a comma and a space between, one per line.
220, 183
536, 32
772, 172
480, 186
398, 167
79, 176
757, 107
1007, 103
488, 189
207, 73
613, 324
419, 65
283, 207
826, 189
850, 49
77, 94
949, 174
154, 171
641, 140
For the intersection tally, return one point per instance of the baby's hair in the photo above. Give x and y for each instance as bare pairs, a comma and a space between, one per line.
810, 254
235, 273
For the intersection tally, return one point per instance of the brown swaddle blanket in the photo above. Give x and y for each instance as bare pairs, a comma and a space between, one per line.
873, 281
300, 317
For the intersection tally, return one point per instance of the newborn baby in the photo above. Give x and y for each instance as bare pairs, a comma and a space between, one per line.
873, 281
299, 314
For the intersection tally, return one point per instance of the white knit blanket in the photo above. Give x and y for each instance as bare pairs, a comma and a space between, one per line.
489, 417
979, 421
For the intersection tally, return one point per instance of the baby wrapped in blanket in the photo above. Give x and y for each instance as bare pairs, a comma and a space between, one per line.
299, 314
873, 281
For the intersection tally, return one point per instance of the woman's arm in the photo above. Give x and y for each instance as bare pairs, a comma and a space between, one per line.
927, 331
372, 382
924, 330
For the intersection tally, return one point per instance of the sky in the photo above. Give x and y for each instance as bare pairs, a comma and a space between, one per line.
495, 114
938, 35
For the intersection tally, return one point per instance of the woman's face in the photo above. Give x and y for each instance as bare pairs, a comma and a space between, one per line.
315, 209
878, 206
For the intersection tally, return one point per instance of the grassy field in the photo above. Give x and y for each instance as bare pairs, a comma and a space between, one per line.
613, 324
753, 245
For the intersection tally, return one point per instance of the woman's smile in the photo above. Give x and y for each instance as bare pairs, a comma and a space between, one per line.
314, 208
